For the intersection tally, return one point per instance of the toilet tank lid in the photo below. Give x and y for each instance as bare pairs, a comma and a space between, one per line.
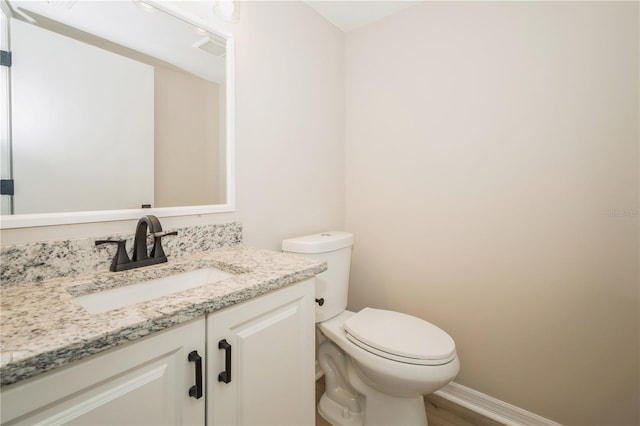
318, 243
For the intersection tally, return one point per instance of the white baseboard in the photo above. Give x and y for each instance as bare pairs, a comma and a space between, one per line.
492, 408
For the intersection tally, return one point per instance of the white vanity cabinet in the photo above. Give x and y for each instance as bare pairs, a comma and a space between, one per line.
144, 383
260, 360
149, 382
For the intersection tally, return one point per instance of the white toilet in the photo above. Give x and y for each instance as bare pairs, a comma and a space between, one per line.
377, 363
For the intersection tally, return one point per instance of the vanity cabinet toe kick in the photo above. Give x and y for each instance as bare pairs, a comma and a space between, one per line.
259, 369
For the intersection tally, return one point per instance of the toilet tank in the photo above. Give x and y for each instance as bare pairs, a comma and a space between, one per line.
332, 285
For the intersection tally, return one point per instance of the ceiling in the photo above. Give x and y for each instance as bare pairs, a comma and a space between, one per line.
351, 14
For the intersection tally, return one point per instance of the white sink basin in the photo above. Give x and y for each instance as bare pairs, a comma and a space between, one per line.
107, 300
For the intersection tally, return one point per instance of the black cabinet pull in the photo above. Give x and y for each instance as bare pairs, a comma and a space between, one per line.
196, 390
225, 376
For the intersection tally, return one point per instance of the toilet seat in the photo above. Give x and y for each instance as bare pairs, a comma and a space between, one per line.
400, 337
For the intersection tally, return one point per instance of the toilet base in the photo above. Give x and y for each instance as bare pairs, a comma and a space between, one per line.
337, 414
381, 409
381, 412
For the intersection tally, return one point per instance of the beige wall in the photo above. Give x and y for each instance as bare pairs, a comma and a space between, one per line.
289, 129
186, 148
486, 143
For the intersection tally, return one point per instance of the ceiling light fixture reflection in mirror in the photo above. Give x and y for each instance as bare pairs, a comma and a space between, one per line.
116, 109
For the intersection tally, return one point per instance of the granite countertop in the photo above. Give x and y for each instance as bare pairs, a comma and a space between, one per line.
43, 327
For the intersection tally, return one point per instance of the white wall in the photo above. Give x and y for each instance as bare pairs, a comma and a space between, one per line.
290, 122
289, 129
486, 144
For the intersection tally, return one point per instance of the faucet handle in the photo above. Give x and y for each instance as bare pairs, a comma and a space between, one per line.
121, 256
157, 251
164, 234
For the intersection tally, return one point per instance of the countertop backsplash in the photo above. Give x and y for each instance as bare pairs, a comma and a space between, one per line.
34, 262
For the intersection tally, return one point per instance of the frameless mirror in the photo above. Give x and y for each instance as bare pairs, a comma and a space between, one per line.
113, 110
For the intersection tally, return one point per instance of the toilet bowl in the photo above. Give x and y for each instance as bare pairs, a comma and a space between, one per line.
395, 377
378, 364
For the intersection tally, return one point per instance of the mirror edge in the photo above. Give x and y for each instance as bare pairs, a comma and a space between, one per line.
70, 218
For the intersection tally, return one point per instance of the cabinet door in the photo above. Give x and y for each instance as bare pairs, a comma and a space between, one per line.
272, 368
143, 383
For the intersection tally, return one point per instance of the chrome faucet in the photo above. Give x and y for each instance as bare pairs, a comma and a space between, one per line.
140, 256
